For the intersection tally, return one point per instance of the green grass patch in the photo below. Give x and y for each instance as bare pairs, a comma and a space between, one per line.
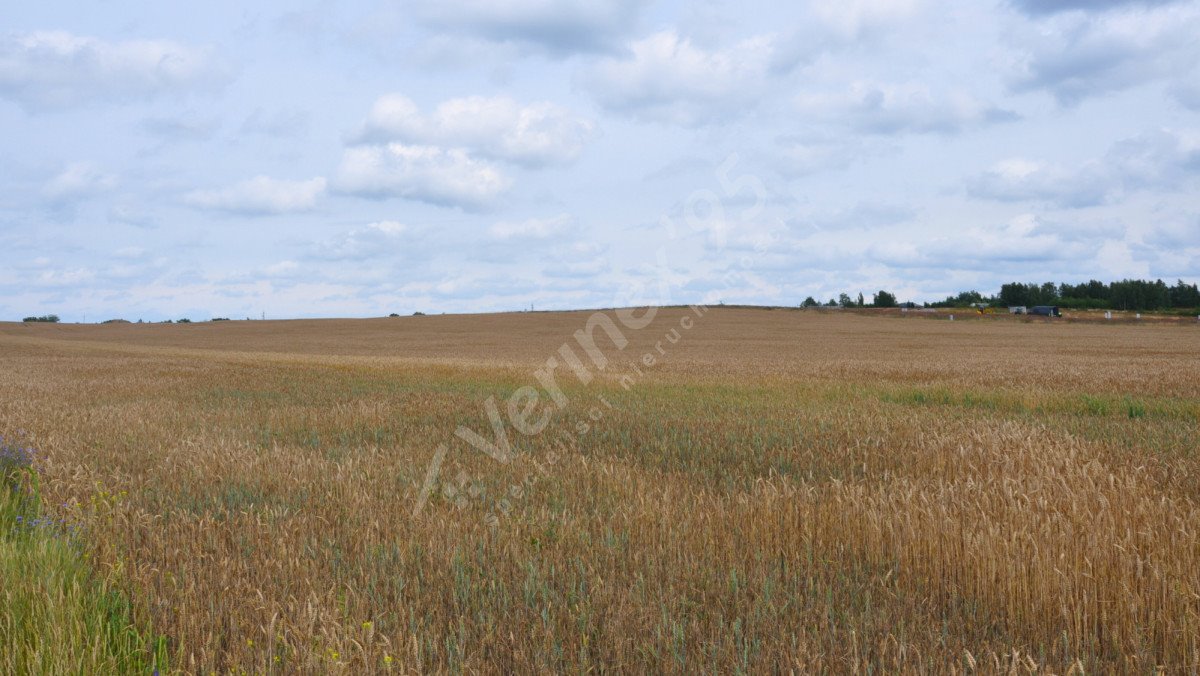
1135, 408
56, 615
1081, 405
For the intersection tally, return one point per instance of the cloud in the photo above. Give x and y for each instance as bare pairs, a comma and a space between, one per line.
374, 240
813, 153
1020, 180
882, 109
129, 212
497, 128
1177, 236
556, 27
534, 228
424, 173
580, 261
1076, 57
65, 278
666, 78
281, 269
1023, 239
1159, 160
77, 181
56, 69
866, 215
1118, 260
1046, 7
260, 196
446, 157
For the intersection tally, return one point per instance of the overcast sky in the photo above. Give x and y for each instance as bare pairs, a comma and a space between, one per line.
358, 158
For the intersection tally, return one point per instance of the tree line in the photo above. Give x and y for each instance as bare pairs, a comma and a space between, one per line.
1127, 294
880, 299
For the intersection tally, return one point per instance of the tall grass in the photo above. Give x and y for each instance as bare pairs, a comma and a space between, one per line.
56, 615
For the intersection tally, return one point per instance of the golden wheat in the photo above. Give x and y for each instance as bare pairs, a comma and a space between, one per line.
791, 491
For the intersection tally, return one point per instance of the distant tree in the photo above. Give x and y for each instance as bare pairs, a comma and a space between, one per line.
418, 314
1048, 294
831, 303
393, 315
1126, 294
45, 319
844, 300
810, 302
861, 302
1014, 293
966, 298
185, 320
884, 299
1097, 289
220, 319
1184, 295
1137, 294
963, 299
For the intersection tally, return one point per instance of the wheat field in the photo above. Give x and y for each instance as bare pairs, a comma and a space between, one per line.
780, 491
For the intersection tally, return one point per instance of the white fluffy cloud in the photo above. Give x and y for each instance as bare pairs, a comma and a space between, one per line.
667, 78
260, 196
424, 173
890, 109
497, 128
57, 69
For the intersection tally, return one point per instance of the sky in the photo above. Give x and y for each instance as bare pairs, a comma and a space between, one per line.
355, 159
